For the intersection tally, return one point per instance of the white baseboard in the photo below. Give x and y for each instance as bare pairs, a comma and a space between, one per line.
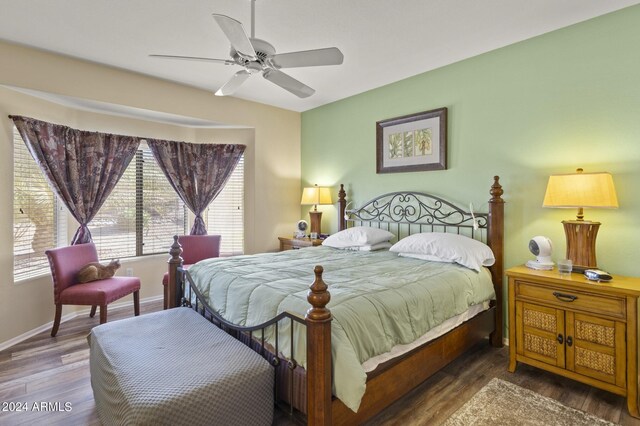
505, 340
47, 327
37, 330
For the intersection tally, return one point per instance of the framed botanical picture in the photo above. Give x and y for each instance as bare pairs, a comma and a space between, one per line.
412, 143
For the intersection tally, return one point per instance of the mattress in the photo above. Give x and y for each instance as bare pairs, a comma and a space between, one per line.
378, 301
372, 363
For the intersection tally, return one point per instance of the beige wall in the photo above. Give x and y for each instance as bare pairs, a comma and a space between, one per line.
272, 170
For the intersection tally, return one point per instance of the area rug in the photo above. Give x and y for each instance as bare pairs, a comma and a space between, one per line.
503, 403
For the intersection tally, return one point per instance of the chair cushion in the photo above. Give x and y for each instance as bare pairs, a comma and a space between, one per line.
99, 292
165, 279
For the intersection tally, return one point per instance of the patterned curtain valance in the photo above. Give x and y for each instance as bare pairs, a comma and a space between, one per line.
82, 167
197, 172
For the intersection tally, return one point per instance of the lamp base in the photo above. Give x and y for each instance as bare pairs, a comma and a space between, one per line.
581, 243
316, 219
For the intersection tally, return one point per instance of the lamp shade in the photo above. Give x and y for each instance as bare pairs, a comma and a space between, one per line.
576, 190
316, 195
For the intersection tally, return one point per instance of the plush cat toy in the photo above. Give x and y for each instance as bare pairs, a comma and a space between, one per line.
95, 271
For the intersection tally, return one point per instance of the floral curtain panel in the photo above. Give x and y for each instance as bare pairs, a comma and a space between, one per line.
81, 167
197, 172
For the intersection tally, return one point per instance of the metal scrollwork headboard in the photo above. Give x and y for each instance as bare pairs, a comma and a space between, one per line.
405, 213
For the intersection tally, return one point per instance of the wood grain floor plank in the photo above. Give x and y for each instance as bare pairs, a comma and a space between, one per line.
17, 390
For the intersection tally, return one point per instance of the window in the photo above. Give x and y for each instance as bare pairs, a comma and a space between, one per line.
225, 215
141, 214
39, 218
139, 217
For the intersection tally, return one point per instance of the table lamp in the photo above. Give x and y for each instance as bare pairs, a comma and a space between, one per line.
580, 190
313, 196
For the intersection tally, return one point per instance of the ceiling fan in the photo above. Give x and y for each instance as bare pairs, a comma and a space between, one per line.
256, 55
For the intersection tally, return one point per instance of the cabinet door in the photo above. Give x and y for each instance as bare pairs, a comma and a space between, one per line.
540, 333
596, 348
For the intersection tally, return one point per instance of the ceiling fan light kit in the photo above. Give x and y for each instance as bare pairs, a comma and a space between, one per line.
257, 55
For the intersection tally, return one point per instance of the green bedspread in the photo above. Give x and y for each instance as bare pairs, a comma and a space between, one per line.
378, 300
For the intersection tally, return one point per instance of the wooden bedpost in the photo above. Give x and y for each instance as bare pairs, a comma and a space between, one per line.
495, 239
318, 321
175, 261
342, 205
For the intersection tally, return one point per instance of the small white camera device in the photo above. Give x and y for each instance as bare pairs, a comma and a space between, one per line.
541, 247
301, 229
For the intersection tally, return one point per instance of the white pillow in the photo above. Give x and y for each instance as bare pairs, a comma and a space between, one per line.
449, 247
371, 247
357, 236
428, 257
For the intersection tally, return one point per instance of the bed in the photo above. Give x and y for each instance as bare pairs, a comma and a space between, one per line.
246, 296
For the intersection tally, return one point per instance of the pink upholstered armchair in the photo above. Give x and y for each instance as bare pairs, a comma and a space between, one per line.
65, 263
194, 249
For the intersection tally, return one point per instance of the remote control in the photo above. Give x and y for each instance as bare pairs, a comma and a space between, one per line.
597, 275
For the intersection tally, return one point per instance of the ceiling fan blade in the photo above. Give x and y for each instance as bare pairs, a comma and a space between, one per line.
309, 58
194, 58
288, 83
237, 37
232, 85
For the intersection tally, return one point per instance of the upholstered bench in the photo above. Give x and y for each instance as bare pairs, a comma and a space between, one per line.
175, 368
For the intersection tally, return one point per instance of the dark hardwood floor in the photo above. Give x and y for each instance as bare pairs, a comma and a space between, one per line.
56, 370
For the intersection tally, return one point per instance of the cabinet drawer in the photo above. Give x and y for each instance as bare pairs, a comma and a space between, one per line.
570, 299
296, 244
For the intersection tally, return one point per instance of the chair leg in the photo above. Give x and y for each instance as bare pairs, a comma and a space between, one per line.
164, 301
93, 311
103, 314
136, 303
56, 320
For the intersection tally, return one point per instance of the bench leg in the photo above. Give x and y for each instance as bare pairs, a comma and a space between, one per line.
103, 314
136, 303
93, 311
56, 320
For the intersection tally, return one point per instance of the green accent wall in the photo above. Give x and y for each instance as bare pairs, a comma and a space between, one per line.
569, 98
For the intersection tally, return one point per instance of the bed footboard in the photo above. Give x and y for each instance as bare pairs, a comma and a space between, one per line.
318, 329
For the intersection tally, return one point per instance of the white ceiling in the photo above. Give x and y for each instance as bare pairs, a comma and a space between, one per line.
382, 40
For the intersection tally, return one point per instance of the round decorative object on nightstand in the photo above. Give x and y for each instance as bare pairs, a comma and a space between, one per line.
541, 247
301, 228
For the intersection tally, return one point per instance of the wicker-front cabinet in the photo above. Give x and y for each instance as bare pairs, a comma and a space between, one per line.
576, 328
589, 345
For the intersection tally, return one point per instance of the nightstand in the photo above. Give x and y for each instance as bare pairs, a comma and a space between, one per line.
580, 329
290, 243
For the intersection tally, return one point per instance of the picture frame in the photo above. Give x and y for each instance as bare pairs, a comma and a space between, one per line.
412, 143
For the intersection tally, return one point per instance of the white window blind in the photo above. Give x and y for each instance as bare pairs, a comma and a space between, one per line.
225, 215
113, 229
163, 213
142, 213
39, 219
